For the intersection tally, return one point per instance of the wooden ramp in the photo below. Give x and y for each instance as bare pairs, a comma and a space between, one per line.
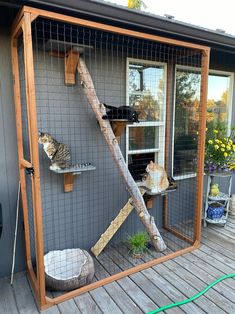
114, 226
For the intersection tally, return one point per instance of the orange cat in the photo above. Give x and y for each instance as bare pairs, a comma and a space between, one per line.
156, 180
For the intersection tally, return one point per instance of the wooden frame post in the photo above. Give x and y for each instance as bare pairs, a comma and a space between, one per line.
201, 144
170, 75
17, 100
33, 137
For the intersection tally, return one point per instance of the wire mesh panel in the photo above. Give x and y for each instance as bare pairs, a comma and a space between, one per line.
118, 121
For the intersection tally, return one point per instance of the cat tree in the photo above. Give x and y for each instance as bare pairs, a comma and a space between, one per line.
137, 199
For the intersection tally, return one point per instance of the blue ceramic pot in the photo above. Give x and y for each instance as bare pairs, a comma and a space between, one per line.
215, 211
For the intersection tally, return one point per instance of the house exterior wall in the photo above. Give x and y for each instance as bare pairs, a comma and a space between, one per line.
8, 160
78, 218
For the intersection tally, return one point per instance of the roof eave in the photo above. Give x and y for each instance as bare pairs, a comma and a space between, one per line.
131, 18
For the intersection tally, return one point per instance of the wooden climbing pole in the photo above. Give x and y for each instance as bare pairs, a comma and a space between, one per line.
114, 226
137, 199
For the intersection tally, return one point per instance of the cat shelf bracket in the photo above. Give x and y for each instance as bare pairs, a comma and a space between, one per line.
118, 127
71, 173
70, 66
69, 181
70, 52
149, 197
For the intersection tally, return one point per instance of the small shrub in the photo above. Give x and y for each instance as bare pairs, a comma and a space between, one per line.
138, 242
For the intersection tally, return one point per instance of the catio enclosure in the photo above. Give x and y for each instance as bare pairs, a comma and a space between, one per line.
64, 69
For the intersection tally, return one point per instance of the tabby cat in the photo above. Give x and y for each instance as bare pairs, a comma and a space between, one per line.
58, 153
123, 112
156, 180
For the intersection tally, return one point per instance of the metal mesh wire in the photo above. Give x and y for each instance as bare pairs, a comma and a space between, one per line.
125, 71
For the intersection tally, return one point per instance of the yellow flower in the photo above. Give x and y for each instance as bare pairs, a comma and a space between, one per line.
216, 146
232, 166
225, 154
222, 145
234, 148
206, 129
210, 142
216, 131
230, 142
217, 141
222, 149
228, 147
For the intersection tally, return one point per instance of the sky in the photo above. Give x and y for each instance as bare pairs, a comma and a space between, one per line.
206, 13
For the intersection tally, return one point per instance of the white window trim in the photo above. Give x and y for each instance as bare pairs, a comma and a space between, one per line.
230, 103
161, 124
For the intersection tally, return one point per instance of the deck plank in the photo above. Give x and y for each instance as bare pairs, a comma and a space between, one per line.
106, 304
131, 289
86, 304
189, 285
125, 303
23, 295
154, 288
7, 299
207, 274
212, 301
66, 307
149, 289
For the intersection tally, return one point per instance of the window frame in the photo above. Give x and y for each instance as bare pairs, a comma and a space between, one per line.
160, 152
230, 107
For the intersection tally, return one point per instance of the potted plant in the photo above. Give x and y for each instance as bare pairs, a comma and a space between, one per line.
138, 243
215, 211
220, 152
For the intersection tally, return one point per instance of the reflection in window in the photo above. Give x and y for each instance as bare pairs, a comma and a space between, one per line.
218, 101
186, 121
145, 141
146, 90
187, 96
146, 137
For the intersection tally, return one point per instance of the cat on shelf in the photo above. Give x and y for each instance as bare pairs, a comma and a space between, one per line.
120, 113
156, 179
58, 153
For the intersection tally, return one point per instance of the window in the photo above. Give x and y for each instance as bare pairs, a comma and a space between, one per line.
146, 93
219, 105
186, 117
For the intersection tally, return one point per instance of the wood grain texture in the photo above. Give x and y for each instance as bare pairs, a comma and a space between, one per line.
7, 300
23, 295
114, 226
70, 65
33, 136
201, 144
17, 97
110, 28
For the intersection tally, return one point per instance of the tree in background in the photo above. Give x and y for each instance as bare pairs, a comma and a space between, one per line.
136, 4
187, 103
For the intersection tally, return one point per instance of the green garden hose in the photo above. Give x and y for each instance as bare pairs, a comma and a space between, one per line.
169, 306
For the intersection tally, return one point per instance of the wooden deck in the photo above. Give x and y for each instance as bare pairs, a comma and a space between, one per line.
171, 281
